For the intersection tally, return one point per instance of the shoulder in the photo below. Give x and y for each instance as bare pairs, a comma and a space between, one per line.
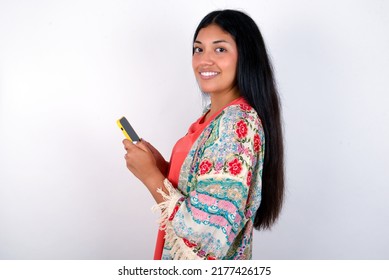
241, 116
241, 109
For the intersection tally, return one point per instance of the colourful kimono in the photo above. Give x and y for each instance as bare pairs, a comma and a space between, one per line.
210, 214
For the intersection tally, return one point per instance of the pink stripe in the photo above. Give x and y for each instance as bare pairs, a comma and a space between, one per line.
218, 220
198, 214
206, 199
227, 206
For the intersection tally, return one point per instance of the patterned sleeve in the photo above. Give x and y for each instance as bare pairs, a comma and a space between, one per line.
205, 223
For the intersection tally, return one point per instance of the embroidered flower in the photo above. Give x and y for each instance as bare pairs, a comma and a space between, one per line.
235, 166
241, 129
245, 107
201, 253
257, 143
218, 166
188, 243
197, 249
205, 166
248, 181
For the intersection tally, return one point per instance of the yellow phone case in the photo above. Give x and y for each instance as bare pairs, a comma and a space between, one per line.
127, 129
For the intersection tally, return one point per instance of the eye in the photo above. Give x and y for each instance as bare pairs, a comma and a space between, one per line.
220, 50
197, 50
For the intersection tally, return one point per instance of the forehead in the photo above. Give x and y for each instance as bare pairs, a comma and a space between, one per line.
213, 33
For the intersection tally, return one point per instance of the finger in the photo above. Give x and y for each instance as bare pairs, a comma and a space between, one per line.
143, 145
126, 141
129, 157
151, 148
127, 144
147, 144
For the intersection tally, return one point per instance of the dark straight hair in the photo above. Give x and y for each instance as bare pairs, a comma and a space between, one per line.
255, 82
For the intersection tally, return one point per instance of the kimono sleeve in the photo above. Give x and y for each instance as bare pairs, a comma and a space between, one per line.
205, 223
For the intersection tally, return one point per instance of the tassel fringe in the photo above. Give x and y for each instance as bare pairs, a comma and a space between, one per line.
179, 250
168, 204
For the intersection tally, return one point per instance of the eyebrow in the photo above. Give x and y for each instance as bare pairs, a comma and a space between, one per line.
214, 42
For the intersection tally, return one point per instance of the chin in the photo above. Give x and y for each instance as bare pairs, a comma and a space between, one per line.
208, 90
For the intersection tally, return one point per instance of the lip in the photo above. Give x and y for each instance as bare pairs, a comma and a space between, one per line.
206, 75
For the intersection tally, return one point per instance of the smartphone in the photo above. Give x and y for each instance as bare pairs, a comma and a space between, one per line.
127, 129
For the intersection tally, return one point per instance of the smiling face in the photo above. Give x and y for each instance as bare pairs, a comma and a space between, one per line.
214, 62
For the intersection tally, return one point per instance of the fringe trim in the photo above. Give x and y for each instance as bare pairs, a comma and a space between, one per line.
167, 206
179, 250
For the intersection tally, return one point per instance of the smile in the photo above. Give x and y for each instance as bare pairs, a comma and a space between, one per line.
208, 74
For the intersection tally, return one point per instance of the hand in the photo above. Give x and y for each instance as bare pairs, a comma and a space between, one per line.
141, 162
162, 164
139, 159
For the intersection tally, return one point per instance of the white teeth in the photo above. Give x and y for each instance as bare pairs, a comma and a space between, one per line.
208, 74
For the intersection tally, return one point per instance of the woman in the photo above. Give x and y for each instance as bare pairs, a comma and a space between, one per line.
225, 177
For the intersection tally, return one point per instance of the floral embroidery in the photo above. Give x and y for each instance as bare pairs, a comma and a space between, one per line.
235, 166
241, 129
245, 107
249, 175
188, 243
200, 252
257, 143
205, 166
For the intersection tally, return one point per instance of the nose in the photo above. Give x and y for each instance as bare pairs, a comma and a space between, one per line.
206, 58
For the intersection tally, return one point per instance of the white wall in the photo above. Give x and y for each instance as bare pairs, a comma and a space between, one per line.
69, 69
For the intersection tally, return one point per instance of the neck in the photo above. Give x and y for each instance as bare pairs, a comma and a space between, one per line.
220, 100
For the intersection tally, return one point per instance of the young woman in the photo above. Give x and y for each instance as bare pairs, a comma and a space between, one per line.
226, 175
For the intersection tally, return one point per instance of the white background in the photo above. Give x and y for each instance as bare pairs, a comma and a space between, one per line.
69, 69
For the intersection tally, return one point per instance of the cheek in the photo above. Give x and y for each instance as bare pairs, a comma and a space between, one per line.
231, 66
234, 66
195, 63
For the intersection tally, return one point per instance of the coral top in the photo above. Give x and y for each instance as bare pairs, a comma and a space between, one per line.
179, 153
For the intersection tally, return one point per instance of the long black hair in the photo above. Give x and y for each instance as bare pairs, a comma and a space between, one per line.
255, 82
